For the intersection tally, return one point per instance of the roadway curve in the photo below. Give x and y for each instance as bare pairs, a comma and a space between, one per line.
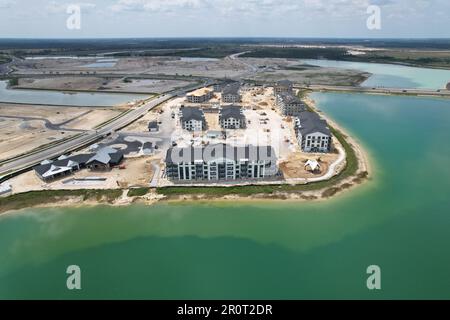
375, 90
30, 160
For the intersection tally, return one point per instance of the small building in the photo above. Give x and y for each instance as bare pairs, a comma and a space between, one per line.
200, 96
231, 93
220, 162
219, 86
105, 159
231, 117
192, 119
283, 86
148, 148
153, 126
5, 189
313, 133
289, 104
51, 170
312, 166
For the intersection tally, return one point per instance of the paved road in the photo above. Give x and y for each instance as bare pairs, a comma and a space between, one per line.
87, 138
156, 174
399, 91
50, 125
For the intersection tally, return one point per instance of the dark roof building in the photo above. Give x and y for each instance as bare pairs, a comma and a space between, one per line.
220, 162
192, 114
231, 94
311, 122
193, 119
313, 132
289, 104
105, 159
220, 151
50, 170
153, 126
231, 117
283, 86
218, 87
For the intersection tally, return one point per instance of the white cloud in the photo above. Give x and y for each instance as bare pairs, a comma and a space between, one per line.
58, 7
154, 5
4, 4
249, 7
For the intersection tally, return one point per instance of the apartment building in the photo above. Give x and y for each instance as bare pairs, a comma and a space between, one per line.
289, 104
231, 117
231, 93
220, 162
192, 119
200, 96
313, 133
283, 86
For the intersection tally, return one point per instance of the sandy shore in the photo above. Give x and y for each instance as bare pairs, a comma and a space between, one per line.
361, 175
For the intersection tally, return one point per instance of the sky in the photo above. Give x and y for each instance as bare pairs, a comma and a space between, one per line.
224, 18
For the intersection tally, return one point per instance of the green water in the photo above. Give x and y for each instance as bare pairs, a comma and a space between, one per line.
400, 221
391, 76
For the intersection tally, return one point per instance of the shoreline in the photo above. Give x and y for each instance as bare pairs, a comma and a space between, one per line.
326, 190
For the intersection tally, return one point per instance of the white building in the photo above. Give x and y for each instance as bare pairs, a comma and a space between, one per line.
289, 104
283, 86
192, 119
220, 162
200, 96
231, 94
231, 117
313, 133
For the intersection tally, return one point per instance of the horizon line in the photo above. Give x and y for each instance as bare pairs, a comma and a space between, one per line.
225, 37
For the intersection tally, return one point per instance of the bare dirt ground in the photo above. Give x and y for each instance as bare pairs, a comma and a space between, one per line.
103, 84
212, 119
142, 65
244, 68
265, 126
141, 125
315, 76
18, 135
51, 113
138, 173
294, 166
92, 119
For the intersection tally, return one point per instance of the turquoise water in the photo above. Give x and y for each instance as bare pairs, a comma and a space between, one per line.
103, 63
400, 220
82, 99
392, 76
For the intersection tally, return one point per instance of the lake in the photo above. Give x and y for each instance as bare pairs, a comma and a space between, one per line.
82, 99
390, 75
400, 220
103, 63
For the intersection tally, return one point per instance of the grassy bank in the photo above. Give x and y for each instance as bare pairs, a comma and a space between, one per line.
138, 192
36, 198
329, 186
